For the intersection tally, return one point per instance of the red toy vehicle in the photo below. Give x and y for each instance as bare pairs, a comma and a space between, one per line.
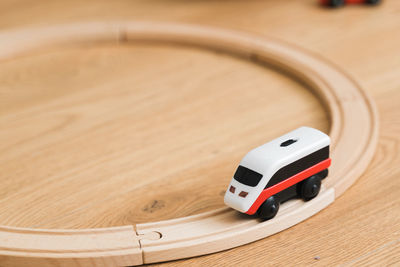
337, 3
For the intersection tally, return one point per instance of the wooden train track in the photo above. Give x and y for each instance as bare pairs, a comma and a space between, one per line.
354, 134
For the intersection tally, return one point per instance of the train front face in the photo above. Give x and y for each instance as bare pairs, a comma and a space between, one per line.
243, 189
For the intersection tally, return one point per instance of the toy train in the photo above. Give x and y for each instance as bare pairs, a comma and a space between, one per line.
337, 3
290, 166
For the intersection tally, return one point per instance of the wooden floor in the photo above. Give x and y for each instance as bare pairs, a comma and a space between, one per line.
106, 135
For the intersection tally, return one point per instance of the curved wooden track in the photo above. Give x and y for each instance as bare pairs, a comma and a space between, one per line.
354, 133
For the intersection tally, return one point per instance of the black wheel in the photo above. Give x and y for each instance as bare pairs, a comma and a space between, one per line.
336, 3
310, 187
268, 209
323, 174
373, 2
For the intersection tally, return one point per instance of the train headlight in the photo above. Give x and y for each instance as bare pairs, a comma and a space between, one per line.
243, 194
232, 189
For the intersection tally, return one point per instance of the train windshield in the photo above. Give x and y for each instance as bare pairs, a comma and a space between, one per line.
246, 176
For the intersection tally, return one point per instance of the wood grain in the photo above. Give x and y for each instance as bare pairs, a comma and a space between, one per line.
141, 152
356, 231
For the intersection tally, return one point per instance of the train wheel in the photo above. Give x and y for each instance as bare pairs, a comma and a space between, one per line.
310, 187
373, 2
323, 174
268, 209
336, 3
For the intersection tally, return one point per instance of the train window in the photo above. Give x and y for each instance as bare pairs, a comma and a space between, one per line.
246, 176
298, 166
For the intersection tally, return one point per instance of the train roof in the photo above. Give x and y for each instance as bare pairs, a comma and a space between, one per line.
285, 149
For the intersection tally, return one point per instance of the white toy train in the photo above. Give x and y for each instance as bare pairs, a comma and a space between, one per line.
289, 166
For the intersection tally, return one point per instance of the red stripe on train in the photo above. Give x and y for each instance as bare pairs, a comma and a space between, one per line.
266, 193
